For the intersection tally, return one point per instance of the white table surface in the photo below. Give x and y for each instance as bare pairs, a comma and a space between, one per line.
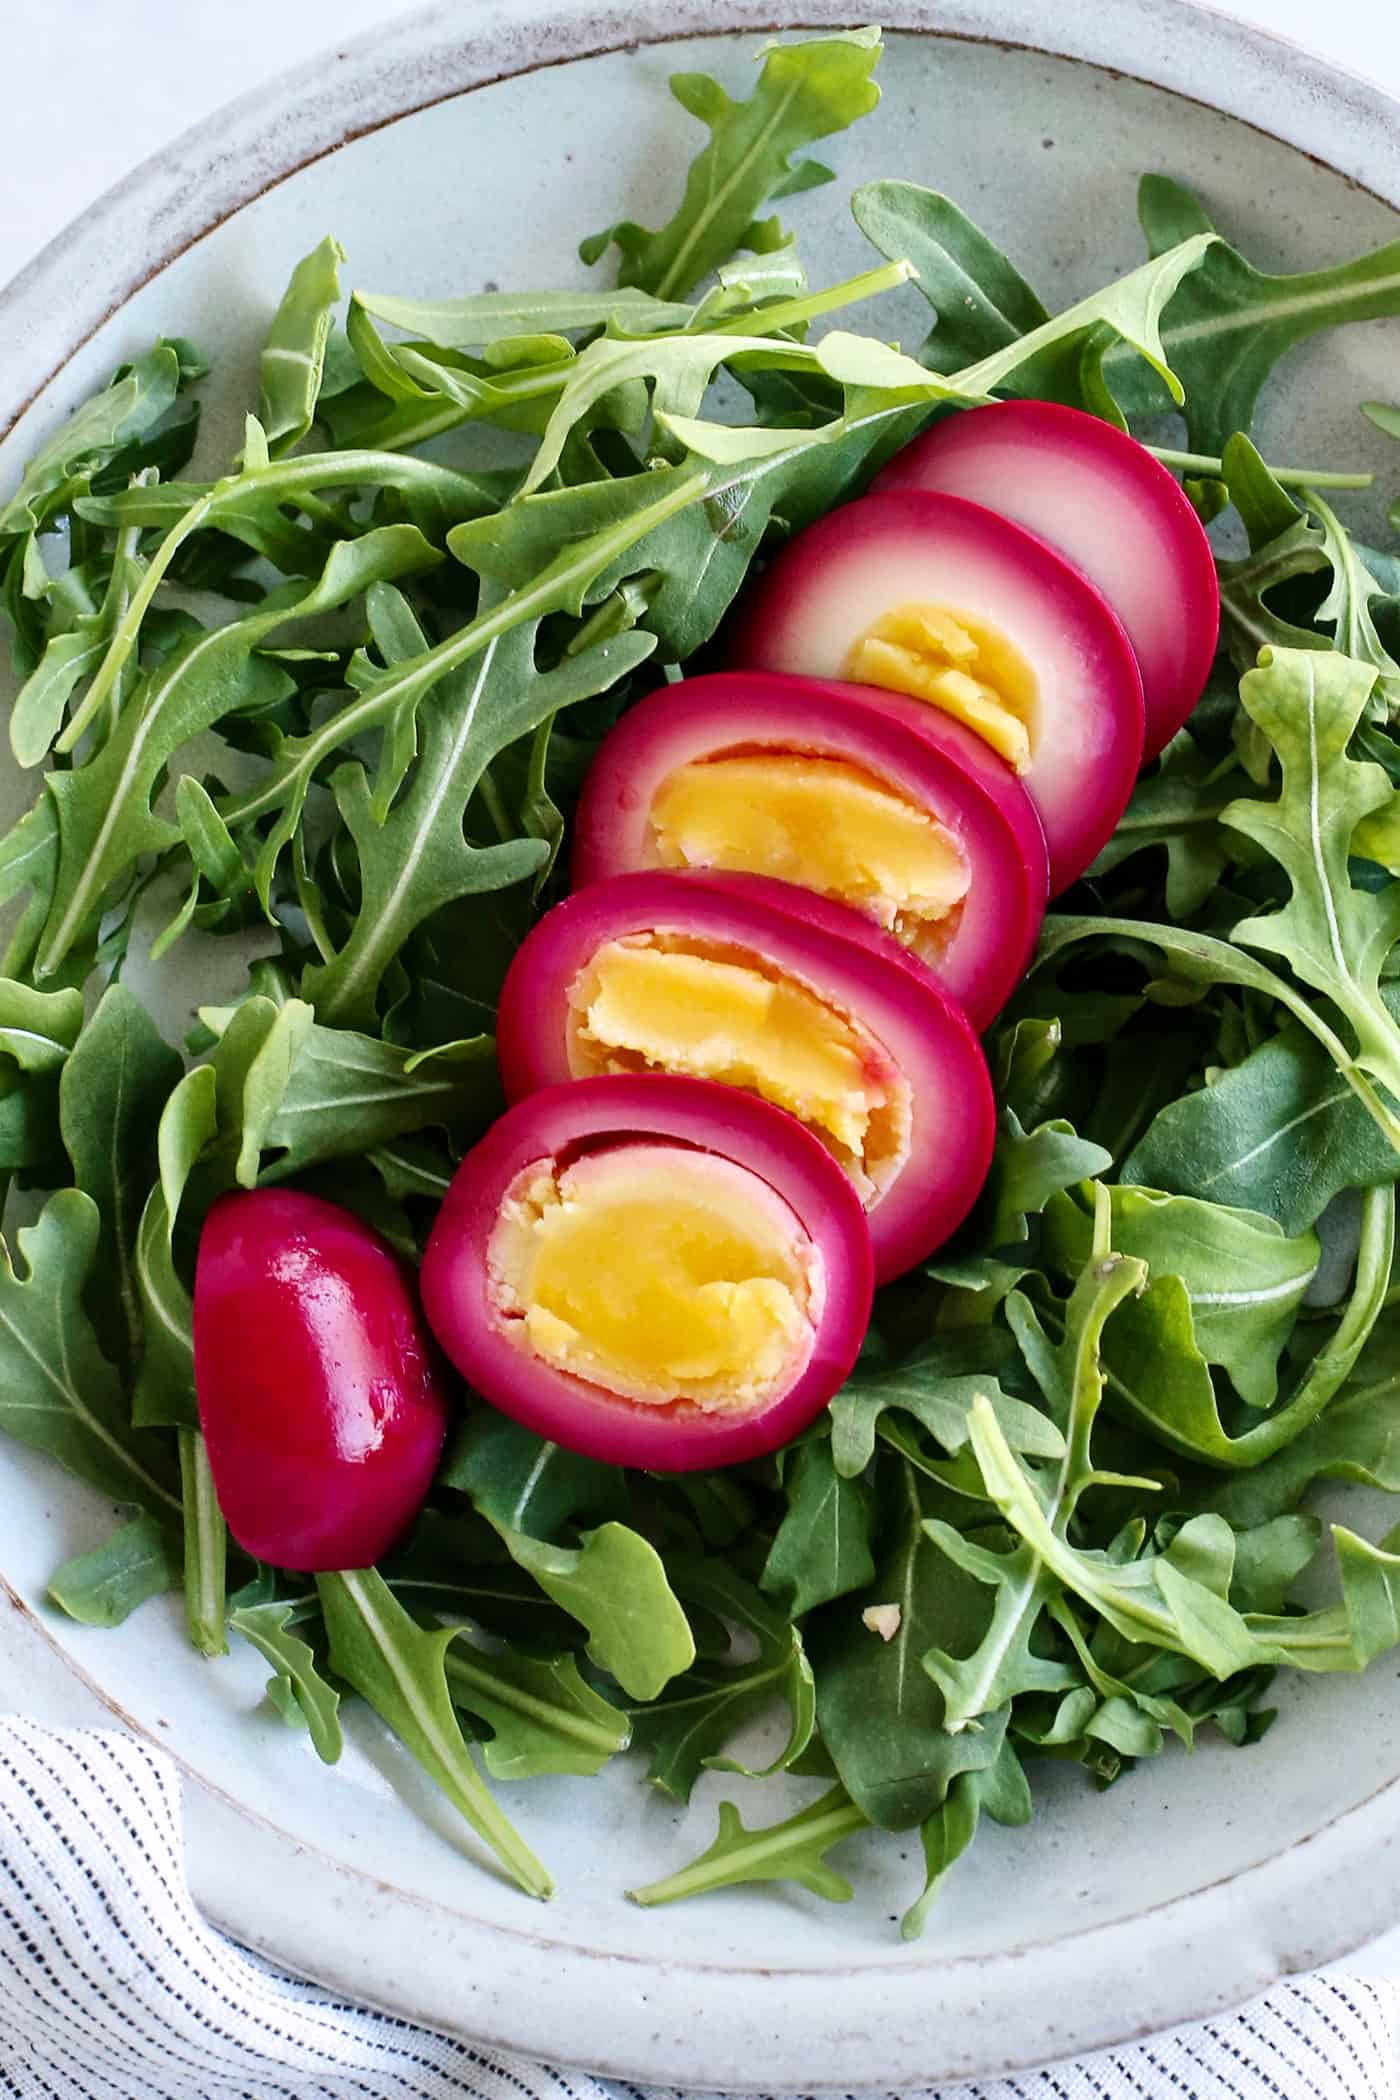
96, 86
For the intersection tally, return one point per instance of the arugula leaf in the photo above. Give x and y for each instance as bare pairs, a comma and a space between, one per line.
72, 654
1064, 356
289, 1087
1244, 1279
521, 1482
111, 1093
822, 1547
487, 317
614, 1584
1179, 806
418, 859
1148, 1601
293, 359
794, 1850
402, 1672
1350, 1635
1356, 1438
141, 1559
1152, 1600
58, 1393
1202, 959
806, 91
567, 545
105, 819
934, 1386
1279, 1133
164, 1393
1001, 1791
1335, 936
1060, 358
882, 1715
981, 302
1157, 1373
1347, 606
130, 407
1028, 1168
1229, 324
38, 1030
689, 1724
267, 1627
542, 1715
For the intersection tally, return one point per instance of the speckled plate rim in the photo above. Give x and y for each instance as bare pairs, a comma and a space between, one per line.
838, 2026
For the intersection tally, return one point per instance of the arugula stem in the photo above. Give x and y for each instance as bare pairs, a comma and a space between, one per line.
206, 1548
1287, 477
791, 313
444, 411
124, 634
496, 808
590, 1733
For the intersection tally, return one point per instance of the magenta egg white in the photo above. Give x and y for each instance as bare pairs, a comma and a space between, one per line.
920, 1052
1099, 497
834, 584
660, 1120
932, 762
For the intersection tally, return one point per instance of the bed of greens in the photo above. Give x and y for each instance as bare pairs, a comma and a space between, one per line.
326, 715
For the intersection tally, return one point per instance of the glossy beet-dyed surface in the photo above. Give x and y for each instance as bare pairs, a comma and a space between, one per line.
320, 1401
837, 580
933, 763
562, 1123
921, 1057
1103, 500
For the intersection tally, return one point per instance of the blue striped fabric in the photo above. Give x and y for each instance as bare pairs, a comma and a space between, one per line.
112, 1987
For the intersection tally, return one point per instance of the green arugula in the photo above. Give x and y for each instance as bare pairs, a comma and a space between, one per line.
313, 728
794, 1850
141, 1559
301, 1690
805, 92
401, 1670
688, 1726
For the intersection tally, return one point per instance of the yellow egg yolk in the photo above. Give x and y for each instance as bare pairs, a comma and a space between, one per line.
659, 1273
817, 822
661, 1002
955, 662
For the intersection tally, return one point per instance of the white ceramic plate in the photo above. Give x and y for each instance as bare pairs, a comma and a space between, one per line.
445, 161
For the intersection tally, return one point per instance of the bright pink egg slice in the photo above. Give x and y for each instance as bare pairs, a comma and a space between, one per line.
1119, 515
923, 831
320, 1397
942, 601
784, 995
654, 1271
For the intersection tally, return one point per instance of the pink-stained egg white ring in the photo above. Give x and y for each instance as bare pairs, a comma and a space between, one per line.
837, 580
562, 1123
936, 764
1119, 515
923, 1052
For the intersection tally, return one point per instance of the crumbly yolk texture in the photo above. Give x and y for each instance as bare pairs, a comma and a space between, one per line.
817, 822
658, 1273
955, 662
657, 1002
